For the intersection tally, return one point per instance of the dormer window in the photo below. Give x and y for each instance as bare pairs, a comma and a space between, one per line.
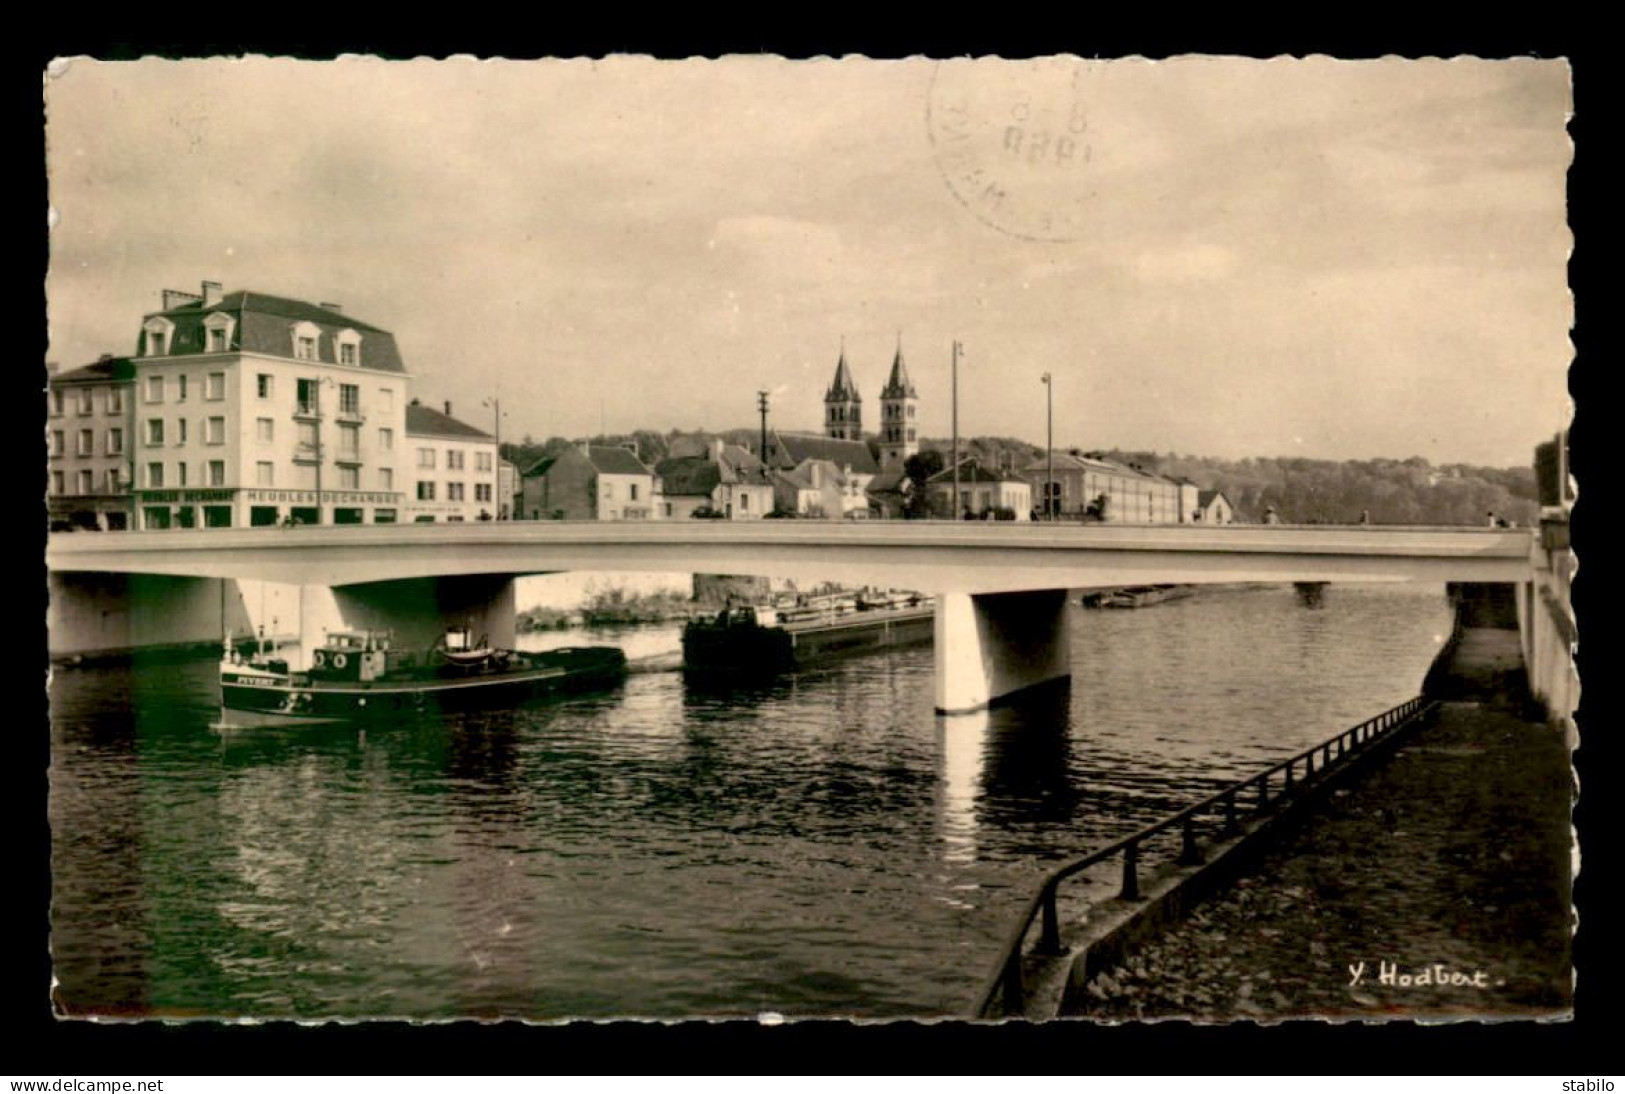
306, 339
159, 335
349, 347
217, 331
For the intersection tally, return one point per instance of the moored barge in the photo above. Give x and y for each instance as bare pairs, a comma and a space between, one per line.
358, 675
765, 639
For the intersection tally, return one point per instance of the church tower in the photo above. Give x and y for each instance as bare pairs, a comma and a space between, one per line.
843, 407
898, 402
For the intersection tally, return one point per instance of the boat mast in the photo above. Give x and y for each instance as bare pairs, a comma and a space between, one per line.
953, 505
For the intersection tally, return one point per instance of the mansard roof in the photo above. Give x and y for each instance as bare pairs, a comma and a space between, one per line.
899, 386
264, 324
842, 389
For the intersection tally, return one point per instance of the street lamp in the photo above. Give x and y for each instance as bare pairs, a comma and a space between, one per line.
1049, 448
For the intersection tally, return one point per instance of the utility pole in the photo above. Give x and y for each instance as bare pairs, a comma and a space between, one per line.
1049, 448
953, 507
761, 405
316, 410
501, 502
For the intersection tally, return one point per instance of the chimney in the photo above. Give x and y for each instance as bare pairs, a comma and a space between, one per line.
332, 307
211, 293
632, 447
448, 408
716, 449
175, 298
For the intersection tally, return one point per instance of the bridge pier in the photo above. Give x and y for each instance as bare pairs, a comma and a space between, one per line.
990, 646
417, 610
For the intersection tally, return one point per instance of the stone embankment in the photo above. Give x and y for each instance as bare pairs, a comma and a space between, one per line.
1437, 886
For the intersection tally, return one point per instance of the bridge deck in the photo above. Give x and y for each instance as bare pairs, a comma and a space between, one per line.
931, 555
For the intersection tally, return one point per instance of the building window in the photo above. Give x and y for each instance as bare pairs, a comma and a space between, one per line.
306, 397
349, 399
609, 491
264, 430
59, 483
155, 476
180, 431
482, 461
304, 476
217, 472
264, 473
180, 473
56, 402
214, 386
155, 431
87, 482
383, 516
307, 440
87, 442
454, 459
115, 400
482, 491
157, 329
115, 441
426, 458
349, 347
349, 441
386, 440
744, 502
87, 401
349, 478
454, 491
217, 331
155, 389
425, 491
59, 442
262, 385
112, 478
632, 491
305, 338
214, 431
180, 388
386, 478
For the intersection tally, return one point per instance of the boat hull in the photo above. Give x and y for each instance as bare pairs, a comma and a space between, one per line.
250, 697
713, 648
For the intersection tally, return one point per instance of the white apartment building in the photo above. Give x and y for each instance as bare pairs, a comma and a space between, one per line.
89, 438
452, 467
252, 409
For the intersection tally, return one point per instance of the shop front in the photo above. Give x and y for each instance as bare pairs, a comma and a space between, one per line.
232, 508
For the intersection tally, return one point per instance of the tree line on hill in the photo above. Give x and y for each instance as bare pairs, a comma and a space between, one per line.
1304, 491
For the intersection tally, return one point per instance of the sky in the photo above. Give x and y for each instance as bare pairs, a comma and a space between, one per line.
1211, 256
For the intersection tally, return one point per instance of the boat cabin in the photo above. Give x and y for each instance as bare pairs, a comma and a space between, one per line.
352, 655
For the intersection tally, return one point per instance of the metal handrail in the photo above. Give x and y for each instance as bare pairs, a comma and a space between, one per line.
1006, 982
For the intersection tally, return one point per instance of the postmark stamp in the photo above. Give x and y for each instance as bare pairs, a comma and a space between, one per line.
1012, 140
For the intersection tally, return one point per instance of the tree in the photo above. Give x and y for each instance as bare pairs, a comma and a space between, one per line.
916, 470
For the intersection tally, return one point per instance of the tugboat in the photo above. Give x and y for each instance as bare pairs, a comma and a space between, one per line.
764, 639
359, 675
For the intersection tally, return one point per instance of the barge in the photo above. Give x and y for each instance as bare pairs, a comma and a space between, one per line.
358, 675
1134, 596
765, 639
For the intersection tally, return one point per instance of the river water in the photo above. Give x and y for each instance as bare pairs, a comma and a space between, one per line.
822, 845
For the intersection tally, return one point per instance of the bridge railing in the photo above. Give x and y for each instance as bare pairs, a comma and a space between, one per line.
1005, 988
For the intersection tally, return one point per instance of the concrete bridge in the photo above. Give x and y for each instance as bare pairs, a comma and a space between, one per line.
1001, 587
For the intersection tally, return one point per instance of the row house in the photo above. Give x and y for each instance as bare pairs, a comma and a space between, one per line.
591, 482
983, 491
454, 467
1089, 487
709, 476
89, 433
251, 409
853, 459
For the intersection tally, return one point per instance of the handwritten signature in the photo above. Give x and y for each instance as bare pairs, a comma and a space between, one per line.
1437, 975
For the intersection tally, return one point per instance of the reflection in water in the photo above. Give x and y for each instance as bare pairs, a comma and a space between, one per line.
818, 844
962, 744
